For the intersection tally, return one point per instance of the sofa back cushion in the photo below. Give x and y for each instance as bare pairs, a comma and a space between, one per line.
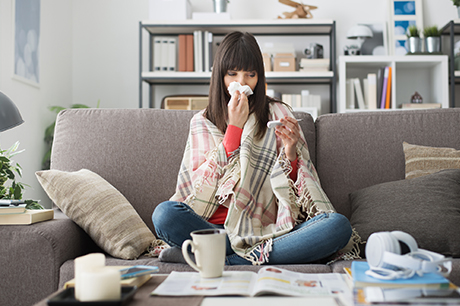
138, 151
359, 150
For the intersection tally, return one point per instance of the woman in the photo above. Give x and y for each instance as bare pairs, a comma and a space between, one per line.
257, 183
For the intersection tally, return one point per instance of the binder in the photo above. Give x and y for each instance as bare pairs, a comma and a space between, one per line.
182, 58
157, 53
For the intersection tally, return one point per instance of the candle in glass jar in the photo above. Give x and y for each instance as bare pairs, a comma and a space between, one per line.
100, 284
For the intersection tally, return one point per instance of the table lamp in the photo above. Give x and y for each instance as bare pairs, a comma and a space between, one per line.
360, 33
9, 113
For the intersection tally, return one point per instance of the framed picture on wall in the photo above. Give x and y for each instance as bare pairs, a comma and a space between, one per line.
402, 14
26, 41
378, 43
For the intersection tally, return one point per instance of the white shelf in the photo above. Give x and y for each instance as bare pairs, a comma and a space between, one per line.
257, 26
204, 77
426, 74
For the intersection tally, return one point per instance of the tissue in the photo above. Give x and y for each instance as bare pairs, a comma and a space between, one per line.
234, 86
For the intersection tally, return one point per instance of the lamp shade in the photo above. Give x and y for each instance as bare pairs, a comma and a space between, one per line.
9, 113
359, 31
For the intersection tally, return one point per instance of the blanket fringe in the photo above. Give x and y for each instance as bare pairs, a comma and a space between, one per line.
349, 253
156, 247
263, 249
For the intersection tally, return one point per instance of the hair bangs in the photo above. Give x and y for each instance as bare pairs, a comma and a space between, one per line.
240, 57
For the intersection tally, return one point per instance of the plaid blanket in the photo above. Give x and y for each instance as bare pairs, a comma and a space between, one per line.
253, 183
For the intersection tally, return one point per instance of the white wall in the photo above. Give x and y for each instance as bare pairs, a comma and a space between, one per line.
54, 89
89, 52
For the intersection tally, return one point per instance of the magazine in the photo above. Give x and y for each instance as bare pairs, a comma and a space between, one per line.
269, 280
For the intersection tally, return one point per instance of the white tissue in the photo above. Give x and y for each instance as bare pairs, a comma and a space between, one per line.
234, 86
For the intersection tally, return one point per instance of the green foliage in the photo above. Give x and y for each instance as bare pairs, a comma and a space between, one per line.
9, 169
413, 31
49, 132
456, 2
432, 31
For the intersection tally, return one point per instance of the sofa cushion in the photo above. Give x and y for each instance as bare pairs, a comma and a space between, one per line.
98, 208
423, 160
426, 207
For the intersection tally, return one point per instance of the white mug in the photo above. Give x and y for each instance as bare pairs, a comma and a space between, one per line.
208, 245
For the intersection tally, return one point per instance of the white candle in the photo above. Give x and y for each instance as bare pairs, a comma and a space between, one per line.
90, 261
100, 284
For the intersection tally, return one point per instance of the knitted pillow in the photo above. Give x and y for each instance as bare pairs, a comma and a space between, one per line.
426, 207
422, 160
99, 209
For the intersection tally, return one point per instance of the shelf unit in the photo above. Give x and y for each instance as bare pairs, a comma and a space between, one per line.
451, 29
426, 74
277, 27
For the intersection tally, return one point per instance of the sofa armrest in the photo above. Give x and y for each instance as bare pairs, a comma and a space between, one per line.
31, 256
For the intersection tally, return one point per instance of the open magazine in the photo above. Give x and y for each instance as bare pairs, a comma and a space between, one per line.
269, 280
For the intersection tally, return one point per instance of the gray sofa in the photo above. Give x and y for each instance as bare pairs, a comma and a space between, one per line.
139, 152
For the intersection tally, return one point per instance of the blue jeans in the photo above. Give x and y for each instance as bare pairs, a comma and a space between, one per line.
308, 242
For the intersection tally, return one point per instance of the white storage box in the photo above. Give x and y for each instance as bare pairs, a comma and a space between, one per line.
170, 9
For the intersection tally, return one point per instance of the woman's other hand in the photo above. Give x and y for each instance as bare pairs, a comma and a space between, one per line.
289, 133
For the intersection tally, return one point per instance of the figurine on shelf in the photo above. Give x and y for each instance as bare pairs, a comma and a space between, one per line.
416, 98
301, 10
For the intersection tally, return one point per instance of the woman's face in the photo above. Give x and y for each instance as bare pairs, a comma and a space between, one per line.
249, 78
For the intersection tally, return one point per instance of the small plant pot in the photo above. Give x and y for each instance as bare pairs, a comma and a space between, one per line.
414, 44
433, 44
220, 6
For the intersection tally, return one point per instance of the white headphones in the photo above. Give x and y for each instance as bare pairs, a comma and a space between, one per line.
383, 253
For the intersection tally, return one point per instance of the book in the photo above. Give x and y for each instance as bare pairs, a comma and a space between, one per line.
182, 59
269, 280
350, 93
380, 74
372, 91
405, 296
421, 105
198, 50
388, 96
208, 59
189, 53
383, 98
359, 93
27, 217
128, 282
427, 280
13, 209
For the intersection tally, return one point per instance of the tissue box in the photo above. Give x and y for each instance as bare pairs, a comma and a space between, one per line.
284, 62
170, 9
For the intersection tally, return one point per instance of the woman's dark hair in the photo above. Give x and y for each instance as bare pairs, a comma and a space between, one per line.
238, 51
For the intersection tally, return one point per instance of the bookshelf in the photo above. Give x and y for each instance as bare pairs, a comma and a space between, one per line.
278, 28
449, 31
425, 74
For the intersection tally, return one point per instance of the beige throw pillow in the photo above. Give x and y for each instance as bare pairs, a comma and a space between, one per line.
422, 160
99, 209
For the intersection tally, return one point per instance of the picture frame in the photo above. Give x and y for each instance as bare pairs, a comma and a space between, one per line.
378, 43
26, 33
402, 14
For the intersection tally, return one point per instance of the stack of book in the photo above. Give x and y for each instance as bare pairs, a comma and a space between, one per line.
428, 289
18, 214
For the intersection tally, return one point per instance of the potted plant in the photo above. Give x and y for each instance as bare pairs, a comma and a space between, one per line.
432, 39
457, 4
8, 171
414, 41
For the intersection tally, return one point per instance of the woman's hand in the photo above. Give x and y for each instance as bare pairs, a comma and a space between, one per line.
289, 132
238, 109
